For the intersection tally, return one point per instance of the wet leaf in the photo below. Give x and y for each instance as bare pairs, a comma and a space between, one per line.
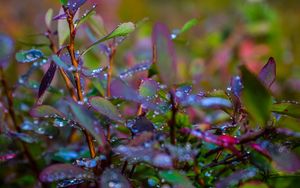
121, 31
68, 183
176, 178
60, 63
287, 108
29, 56
48, 17
47, 79
136, 68
284, 159
255, 97
207, 102
236, 177
65, 155
45, 111
6, 49
148, 88
186, 27
113, 178
119, 89
142, 124
165, 53
85, 16
86, 121
73, 5
236, 85
64, 2
59, 172
268, 73
106, 108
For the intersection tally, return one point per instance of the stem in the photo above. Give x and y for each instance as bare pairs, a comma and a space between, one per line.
172, 122
74, 61
62, 72
12, 114
109, 70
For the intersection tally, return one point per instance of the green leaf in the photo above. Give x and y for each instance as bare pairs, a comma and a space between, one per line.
85, 17
44, 111
255, 97
29, 56
106, 108
176, 178
287, 108
188, 25
64, 2
48, 17
86, 121
122, 30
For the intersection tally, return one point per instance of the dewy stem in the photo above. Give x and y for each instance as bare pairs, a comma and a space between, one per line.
109, 70
74, 61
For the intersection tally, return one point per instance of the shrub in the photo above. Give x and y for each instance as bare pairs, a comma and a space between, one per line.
143, 126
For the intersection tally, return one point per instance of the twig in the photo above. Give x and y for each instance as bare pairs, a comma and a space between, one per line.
74, 61
172, 122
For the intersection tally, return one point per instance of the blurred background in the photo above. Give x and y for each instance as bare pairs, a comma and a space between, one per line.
229, 33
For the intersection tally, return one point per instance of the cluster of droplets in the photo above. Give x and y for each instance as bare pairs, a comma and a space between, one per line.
137, 68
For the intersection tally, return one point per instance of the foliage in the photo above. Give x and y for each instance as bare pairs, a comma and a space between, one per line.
140, 127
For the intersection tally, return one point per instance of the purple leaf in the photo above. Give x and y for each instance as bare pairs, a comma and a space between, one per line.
60, 16
236, 177
148, 88
113, 178
120, 89
236, 85
145, 154
136, 68
6, 49
47, 79
284, 159
268, 73
165, 54
106, 108
142, 124
59, 172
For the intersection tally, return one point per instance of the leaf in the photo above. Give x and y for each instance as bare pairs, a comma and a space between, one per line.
284, 159
236, 177
106, 108
64, 2
176, 178
188, 25
142, 124
287, 108
29, 56
121, 31
59, 172
23, 136
6, 49
85, 16
86, 121
113, 178
207, 102
74, 5
236, 85
148, 88
136, 68
119, 89
165, 54
47, 79
48, 17
62, 29
60, 63
254, 184
255, 97
45, 111
268, 73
